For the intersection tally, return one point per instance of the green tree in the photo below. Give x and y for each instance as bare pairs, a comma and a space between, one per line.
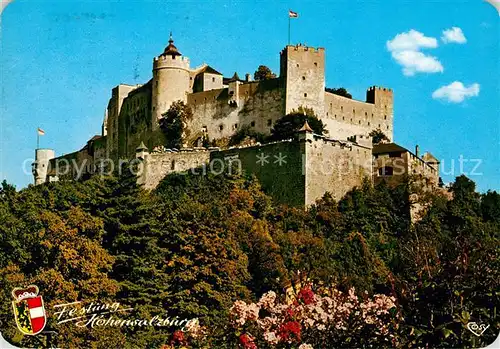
341, 91
378, 136
287, 126
174, 124
263, 73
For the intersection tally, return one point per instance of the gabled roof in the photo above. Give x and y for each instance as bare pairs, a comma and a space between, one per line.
385, 148
210, 70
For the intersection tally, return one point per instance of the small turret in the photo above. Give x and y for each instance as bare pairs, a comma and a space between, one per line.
41, 165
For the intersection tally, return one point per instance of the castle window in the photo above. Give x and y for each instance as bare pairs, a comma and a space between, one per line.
303, 78
204, 129
190, 78
326, 113
354, 111
368, 123
366, 114
305, 94
172, 165
335, 116
221, 127
385, 171
378, 125
343, 118
387, 127
235, 126
385, 117
372, 115
297, 65
173, 56
315, 64
341, 108
252, 124
359, 122
213, 79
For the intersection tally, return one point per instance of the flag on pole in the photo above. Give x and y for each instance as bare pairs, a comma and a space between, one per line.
41, 132
292, 14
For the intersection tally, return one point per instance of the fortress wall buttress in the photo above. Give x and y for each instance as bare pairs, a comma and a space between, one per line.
277, 166
333, 167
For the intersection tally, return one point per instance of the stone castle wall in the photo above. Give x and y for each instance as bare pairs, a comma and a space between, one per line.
284, 180
220, 114
157, 165
335, 167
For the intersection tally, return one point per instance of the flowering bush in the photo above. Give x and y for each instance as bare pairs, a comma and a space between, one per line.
329, 318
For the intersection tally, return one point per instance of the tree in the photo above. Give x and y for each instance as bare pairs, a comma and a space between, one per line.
341, 91
287, 126
174, 124
263, 73
378, 136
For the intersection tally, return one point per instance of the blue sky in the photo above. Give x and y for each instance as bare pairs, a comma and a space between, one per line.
59, 61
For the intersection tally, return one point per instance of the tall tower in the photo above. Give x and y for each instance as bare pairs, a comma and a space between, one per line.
302, 69
383, 99
41, 164
170, 80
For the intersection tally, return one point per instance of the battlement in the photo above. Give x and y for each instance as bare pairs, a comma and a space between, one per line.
379, 88
177, 62
302, 48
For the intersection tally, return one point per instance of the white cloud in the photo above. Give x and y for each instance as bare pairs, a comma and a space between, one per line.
454, 34
405, 49
412, 40
456, 92
414, 61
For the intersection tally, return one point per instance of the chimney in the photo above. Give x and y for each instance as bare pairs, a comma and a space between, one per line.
247, 77
417, 151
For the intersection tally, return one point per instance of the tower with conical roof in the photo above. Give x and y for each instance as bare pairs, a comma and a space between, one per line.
170, 80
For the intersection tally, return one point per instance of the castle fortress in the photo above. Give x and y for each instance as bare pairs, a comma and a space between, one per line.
222, 106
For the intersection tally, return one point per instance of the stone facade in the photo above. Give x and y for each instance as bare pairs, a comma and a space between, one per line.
221, 106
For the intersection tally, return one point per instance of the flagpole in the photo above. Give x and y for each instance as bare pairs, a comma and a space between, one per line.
37, 139
289, 20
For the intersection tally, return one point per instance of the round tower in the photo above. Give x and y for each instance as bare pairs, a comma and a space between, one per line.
41, 164
170, 80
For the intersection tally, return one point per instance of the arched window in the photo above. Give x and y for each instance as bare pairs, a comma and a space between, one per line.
172, 165
385, 171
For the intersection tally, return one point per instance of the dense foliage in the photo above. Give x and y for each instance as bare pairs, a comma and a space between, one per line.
287, 126
197, 245
378, 136
263, 73
341, 91
174, 124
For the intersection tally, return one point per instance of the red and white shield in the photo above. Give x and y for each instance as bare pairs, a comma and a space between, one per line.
29, 311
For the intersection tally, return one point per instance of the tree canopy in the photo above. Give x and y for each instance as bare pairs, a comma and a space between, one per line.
197, 244
341, 91
263, 73
287, 126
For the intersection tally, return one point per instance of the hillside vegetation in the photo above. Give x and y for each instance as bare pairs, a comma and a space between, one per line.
200, 246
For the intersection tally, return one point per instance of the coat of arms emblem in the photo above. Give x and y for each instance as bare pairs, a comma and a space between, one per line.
29, 311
